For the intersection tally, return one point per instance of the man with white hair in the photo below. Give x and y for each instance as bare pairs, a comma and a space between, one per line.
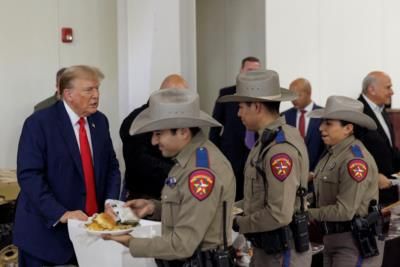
376, 93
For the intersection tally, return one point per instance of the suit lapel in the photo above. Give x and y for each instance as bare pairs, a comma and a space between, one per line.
385, 116
313, 123
67, 132
310, 129
370, 112
291, 118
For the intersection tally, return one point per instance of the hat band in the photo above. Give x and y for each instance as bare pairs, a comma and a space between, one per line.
262, 96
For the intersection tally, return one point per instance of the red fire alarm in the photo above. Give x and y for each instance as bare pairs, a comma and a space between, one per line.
67, 35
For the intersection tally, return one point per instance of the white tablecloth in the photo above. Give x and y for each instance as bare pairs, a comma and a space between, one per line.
93, 251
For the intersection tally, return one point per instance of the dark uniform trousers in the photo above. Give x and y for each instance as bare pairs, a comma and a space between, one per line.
341, 251
285, 259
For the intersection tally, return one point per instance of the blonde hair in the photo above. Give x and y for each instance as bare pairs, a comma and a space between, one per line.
79, 72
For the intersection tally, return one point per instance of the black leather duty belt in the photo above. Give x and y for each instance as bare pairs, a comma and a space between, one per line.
329, 228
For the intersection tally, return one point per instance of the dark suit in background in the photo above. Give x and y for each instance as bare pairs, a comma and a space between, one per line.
314, 143
231, 142
387, 157
146, 169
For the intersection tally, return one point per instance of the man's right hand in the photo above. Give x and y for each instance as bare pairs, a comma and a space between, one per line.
76, 214
141, 207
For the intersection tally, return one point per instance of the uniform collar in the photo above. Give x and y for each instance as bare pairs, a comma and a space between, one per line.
336, 149
273, 125
183, 157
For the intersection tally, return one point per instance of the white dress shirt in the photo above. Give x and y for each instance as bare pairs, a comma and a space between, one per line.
75, 125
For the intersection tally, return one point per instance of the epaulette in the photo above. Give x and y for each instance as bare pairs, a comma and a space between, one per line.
356, 150
202, 158
280, 137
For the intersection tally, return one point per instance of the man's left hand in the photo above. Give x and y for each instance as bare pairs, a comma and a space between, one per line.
122, 239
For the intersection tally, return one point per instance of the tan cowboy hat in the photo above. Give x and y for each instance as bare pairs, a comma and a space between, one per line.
171, 109
259, 86
346, 109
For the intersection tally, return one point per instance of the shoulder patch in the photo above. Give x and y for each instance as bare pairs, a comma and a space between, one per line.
281, 166
201, 183
358, 169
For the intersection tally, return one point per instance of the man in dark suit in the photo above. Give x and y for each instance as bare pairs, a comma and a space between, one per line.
146, 169
308, 127
232, 140
66, 168
376, 93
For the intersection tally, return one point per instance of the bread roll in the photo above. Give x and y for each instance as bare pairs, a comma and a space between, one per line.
105, 221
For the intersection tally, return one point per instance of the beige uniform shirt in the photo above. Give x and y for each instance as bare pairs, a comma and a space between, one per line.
270, 205
188, 222
344, 182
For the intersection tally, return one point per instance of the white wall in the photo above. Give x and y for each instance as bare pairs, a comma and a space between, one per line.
156, 38
334, 44
31, 53
227, 31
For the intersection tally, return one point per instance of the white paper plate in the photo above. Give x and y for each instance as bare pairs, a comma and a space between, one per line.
396, 175
115, 232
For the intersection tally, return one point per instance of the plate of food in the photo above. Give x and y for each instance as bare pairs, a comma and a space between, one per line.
103, 223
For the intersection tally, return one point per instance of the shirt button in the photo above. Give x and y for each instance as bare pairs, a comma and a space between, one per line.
324, 178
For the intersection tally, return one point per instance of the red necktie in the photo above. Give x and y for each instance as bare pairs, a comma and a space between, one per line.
86, 156
302, 123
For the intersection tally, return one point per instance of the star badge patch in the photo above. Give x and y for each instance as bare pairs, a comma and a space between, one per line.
201, 183
281, 166
358, 169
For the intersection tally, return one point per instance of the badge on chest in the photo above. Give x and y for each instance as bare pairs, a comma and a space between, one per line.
171, 182
201, 183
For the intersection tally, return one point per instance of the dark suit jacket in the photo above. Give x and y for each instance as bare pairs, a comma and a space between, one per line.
50, 175
314, 143
386, 156
146, 168
231, 142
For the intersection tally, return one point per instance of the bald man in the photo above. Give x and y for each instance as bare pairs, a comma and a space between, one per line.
297, 117
376, 93
174, 81
146, 169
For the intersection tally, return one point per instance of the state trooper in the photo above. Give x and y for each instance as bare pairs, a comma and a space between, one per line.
346, 188
198, 195
275, 172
